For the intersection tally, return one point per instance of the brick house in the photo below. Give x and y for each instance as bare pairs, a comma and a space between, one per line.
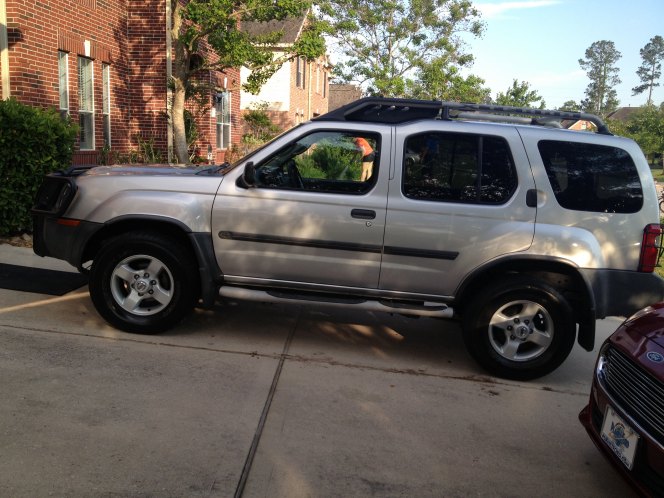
299, 90
106, 63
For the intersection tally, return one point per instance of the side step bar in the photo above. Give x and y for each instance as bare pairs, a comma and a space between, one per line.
428, 309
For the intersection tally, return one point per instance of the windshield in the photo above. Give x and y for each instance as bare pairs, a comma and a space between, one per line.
253, 152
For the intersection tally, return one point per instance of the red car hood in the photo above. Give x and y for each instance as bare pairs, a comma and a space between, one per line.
642, 338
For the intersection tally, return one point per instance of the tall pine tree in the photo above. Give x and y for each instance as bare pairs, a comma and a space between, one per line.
599, 64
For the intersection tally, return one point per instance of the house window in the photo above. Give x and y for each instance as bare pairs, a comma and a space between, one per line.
223, 108
324, 84
318, 78
106, 102
63, 82
300, 80
86, 106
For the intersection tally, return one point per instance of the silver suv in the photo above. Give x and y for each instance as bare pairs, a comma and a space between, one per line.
525, 231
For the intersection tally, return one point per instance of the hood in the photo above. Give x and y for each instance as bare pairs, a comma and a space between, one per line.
159, 170
642, 338
646, 324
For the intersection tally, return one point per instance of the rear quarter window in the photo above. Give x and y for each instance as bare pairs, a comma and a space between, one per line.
591, 177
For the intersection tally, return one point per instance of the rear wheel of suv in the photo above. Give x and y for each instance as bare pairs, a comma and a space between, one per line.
519, 329
143, 282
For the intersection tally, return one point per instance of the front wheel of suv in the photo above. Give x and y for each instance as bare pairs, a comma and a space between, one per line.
519, 329
143, 282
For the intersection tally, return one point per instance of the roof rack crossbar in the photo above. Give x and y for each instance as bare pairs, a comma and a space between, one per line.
402, 110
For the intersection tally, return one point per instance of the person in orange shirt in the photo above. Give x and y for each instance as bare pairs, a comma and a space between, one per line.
368, 156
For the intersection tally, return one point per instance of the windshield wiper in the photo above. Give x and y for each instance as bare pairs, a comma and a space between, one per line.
214, 169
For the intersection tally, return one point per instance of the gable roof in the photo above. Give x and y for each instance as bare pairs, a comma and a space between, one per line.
623, 113
291, 27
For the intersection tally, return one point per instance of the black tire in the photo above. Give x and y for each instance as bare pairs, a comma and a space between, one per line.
143, 282
519, 329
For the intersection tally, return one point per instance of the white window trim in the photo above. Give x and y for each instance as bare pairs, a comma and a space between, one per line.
221, 124
63, 91
91, 111
318, 79
106, 99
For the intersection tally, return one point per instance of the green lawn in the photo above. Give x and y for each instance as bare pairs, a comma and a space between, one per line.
659, 269
657, 173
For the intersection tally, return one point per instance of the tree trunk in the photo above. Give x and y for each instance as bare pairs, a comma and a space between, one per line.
180, 77
177, 115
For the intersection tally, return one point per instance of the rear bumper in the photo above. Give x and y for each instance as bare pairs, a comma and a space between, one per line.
623, 293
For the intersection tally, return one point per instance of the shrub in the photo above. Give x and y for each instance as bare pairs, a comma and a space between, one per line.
260, 126
331, 163
33, 142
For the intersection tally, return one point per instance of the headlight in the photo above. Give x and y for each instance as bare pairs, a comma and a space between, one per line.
602, 362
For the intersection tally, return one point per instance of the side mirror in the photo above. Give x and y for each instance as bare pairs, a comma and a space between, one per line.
248, 178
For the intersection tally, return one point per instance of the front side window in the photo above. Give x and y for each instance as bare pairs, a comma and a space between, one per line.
86, 108
223, 109
324, 161
590, 177
63, 82
453, 167
106, 102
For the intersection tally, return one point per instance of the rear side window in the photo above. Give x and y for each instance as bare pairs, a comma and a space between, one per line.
589, 177
454, 167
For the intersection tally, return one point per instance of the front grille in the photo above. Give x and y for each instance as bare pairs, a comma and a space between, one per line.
54, 195
637, 392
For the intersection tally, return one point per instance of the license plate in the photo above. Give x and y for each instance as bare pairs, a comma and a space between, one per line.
620, 437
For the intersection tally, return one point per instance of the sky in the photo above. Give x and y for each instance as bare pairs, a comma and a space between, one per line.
541, 41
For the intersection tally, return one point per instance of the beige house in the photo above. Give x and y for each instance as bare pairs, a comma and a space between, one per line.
298, 91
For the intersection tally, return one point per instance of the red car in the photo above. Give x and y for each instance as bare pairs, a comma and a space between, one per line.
625, 416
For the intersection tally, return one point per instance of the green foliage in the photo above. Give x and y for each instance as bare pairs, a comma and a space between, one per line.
148, 153
520, 95
599, 64
222, 27
339, 164
33, 142
191, 133
651, 69
439, 82
261, 127
570, 106
390, 46
646, 127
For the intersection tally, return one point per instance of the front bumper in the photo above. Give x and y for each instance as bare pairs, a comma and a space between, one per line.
62, 238
647, 474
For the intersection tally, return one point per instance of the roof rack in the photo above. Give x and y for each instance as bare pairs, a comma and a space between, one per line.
394, 111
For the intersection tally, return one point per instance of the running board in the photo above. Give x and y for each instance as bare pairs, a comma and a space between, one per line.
428, 309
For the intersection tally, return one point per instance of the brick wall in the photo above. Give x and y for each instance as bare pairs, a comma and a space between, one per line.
311, 98
91, 28
130, 36
146, 81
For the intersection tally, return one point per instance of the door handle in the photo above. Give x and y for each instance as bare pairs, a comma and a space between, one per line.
363, 214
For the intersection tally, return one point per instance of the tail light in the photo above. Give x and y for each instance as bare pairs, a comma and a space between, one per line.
650, 248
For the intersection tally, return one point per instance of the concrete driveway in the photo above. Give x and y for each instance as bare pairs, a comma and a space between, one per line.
261, 400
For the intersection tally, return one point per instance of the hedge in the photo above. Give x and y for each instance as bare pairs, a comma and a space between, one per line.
33, 142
